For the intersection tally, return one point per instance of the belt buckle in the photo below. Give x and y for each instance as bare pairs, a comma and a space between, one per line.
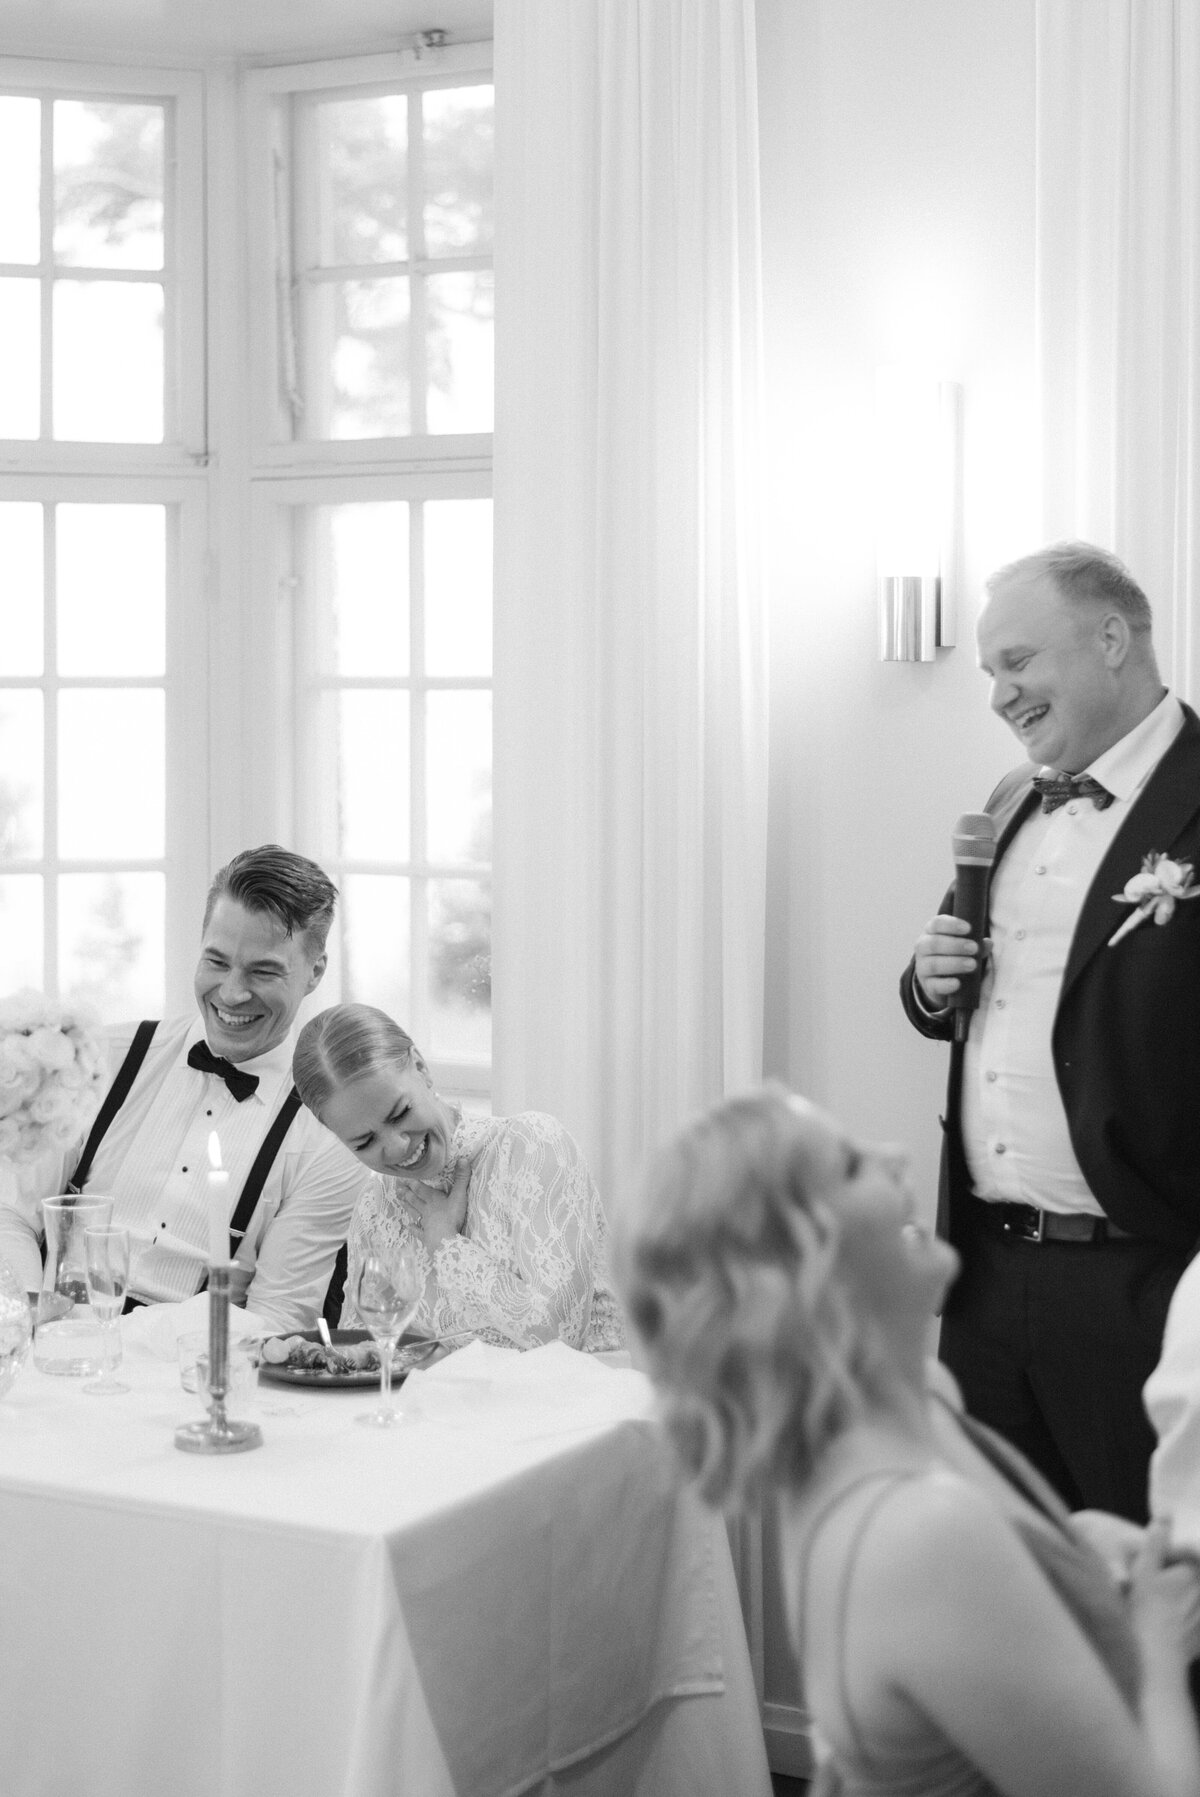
1026, 1233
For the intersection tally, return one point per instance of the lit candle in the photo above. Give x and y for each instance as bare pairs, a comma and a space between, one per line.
218, 1204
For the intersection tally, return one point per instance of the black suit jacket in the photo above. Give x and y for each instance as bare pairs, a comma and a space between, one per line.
1126, 1035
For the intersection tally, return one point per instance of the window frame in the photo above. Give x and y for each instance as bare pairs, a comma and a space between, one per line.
287, 473
184, 411
270, 159
184, 847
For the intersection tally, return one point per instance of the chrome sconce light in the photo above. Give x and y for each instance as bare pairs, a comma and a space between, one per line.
918, 426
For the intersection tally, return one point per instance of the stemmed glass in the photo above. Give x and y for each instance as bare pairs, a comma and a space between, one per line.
387, 1292
106, 1268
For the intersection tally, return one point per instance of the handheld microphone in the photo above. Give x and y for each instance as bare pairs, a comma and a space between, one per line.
974, 847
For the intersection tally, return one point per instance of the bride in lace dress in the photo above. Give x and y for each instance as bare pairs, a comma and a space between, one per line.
957, 1634
502, 1211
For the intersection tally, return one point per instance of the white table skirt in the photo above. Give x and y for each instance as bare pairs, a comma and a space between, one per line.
506, 1594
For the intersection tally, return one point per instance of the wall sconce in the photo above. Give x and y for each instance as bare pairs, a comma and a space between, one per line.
918, 435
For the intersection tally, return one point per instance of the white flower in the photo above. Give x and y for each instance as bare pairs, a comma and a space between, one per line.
51, 1048
50, 1069
1155, 891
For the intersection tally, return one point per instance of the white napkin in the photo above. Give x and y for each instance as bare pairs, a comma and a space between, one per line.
154, 1329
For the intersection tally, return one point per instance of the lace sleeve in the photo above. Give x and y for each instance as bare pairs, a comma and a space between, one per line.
523, 1271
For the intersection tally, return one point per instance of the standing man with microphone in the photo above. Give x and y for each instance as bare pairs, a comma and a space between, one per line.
1071, 1161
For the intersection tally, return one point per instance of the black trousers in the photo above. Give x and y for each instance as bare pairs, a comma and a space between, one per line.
1051, 1343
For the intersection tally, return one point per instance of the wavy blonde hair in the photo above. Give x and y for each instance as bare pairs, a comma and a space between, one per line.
727, 1264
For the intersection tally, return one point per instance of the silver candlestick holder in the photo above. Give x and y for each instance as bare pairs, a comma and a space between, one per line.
219, 1434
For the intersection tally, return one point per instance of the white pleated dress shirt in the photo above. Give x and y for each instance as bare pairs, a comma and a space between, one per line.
154, 1163
1014, 1125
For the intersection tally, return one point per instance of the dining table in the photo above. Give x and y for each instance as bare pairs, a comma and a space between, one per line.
509, 1591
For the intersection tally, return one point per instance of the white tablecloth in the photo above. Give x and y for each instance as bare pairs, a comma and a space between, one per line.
506, 1594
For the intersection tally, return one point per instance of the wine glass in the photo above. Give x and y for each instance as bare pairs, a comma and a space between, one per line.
387, 1292
106, 1268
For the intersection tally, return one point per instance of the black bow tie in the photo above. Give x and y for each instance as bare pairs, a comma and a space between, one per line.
1056, 789
240, 1084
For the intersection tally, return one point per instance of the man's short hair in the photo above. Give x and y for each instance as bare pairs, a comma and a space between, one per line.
291, 888
1083, 575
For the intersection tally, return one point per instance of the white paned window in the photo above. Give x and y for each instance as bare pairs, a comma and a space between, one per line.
102, 531
374, 459
93, 686
100, 258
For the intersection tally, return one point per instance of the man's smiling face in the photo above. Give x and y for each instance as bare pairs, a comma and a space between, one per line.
1054, 681
251, 979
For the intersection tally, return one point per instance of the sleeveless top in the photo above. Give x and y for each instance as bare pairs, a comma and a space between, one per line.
926, 1763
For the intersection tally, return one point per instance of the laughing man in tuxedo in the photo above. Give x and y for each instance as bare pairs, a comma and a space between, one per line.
1071, 1162
225, 1070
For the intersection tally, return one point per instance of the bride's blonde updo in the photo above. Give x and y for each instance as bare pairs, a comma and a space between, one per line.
343, 1044
727, 1263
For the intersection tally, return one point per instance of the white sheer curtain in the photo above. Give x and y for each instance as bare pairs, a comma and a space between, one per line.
1118, 189
630, 739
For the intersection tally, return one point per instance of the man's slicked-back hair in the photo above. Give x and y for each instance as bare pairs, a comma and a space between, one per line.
292, 889
1083, 575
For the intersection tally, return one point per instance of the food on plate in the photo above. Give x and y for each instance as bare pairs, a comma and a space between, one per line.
305, 1354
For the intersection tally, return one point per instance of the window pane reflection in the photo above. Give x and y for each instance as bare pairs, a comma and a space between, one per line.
21, 932
360, 342
111, 578
375, 926
458, 586
461, 350
108, 361
22, 796
361, 566
108, 184
111, 750
373, 774
459, 776
460, 968
21, 639
21, 160
111, 942
458, 170
362, 148
20, 356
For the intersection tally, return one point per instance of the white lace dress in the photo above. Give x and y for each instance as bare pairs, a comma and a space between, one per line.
530, 1265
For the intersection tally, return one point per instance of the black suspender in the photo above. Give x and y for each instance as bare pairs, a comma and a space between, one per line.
115, 1097
263, 1162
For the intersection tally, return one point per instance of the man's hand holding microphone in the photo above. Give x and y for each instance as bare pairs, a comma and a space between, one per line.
948, 961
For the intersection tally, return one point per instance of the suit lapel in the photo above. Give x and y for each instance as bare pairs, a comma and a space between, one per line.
1169, 801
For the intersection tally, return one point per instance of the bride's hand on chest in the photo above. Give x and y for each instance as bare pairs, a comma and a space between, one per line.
436, 1216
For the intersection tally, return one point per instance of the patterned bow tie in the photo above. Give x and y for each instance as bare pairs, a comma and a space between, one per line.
240, 1084
1056, 789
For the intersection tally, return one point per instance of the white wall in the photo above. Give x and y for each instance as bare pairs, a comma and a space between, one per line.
897, 156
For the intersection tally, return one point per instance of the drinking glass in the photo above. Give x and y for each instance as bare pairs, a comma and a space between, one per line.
387, 1293
106, 1267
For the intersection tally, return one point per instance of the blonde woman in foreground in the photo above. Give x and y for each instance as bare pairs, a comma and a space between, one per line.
958, 1636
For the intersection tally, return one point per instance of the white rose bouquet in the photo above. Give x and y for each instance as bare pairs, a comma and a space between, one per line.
51, 1076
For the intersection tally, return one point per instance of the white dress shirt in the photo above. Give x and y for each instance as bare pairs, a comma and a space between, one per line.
1014, 1126
154, 1163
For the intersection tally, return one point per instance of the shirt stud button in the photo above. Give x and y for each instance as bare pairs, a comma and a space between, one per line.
1001, 1147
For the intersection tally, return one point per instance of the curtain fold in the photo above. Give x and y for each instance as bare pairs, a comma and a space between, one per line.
630, 661
1118, 230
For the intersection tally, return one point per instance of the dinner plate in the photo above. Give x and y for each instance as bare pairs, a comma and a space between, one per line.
279, 1373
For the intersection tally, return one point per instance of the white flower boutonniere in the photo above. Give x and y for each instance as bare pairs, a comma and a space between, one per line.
1155, 892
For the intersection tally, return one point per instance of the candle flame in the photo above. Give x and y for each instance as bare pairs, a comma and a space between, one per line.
214, 1151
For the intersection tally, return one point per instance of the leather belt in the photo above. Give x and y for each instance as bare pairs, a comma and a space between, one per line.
1025, 1223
